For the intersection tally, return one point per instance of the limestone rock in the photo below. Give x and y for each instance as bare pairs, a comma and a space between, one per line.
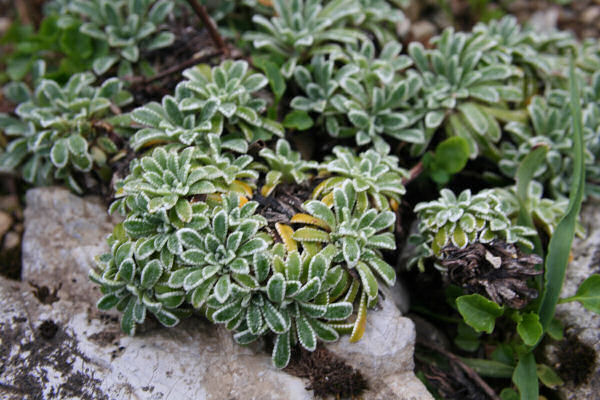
62, 347
384, 355
63, 234
580, 323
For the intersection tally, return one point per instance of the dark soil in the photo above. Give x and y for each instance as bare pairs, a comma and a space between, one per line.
45, 295
328, 375
576, 360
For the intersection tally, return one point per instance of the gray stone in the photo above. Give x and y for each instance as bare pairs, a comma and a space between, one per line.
545, 21
384, 355
63, 234
88, 357
581, 324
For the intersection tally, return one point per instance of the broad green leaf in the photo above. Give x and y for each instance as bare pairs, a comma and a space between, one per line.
298, 119
588, 294
530, 329
151, 274
548, 377
479, 312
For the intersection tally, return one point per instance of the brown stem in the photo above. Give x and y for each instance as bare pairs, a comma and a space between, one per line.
196, 59
468, 370
200, 10
413, 173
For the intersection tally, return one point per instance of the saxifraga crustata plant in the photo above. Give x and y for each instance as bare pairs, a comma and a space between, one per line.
462, 220
220, 101
59, 130
379, 175
302, 28
126, 28
217, 258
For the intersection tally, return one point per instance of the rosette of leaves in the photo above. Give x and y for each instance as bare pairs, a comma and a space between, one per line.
546, 213
302, 28
216, 260
591, 132
379, 17
549, 125
367, 111
167, 123
227, 171
463, 220
379, 175
167, 179
135, 282
370, 66
318, 83
542, 53
57, 130
231, 91
357, 232
127, 28
461, 92
285, 166
286, 294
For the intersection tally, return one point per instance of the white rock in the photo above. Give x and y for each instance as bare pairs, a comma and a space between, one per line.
580, 323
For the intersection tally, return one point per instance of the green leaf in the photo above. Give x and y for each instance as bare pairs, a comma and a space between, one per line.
281, 350
479, 312
108, 301
451, 155
59, 155
310, 235
276, 80
183, 210
489, 368
298, 119
151, 274
588, 294
524, 175
276, 288
306, 334
548, 377
525, 377
509, 394
474, 117
530, 329
559, 247
127, 320
223, 288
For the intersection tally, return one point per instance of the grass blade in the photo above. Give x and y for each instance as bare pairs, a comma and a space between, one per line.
559, 247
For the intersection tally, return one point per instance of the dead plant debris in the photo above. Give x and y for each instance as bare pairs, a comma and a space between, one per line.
327, 373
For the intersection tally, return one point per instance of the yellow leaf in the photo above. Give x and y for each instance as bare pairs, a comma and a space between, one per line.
328, 200
243, 200
361, 320
285, 233
309, 219
239, 186
266, 190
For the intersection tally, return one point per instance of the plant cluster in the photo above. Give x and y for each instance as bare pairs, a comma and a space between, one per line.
498, 106
58, 131
123, 29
